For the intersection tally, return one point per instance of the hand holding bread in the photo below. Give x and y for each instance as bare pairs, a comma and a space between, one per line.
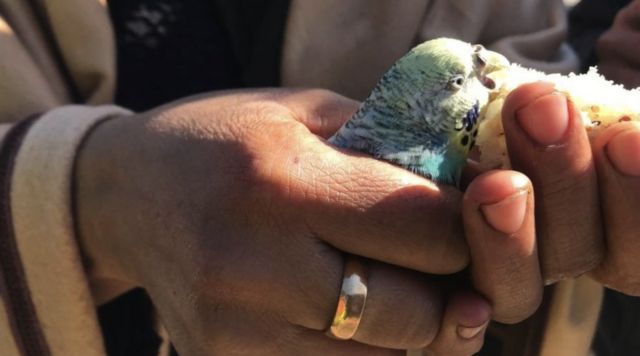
577, 138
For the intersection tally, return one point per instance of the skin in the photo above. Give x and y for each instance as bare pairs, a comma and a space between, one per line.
548, 143
615, 155
617, 49
235, 215
583, 193
277, 203
586, 199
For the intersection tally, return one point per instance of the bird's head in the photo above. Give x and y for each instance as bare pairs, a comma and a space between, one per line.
423, 114
446, 84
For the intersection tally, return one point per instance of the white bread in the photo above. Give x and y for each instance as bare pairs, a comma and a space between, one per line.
601, 102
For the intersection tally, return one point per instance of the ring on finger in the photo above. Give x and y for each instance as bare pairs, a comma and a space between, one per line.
351, 303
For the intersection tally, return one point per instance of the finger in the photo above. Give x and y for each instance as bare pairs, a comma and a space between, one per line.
241, 331
369, 208
399, 220
547, 142
498, 218
617, 156
402, 309
465, 321
322, 111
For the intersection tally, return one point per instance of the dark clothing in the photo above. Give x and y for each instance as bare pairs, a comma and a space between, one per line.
168, 49
618, 332
128, 325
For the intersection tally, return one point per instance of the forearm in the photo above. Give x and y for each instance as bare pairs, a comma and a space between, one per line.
93, 192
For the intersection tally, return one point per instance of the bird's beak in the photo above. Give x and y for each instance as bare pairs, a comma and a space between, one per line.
487, 63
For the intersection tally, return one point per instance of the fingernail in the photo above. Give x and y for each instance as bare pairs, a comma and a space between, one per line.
508, 214
467, 332
624, 152
546, 119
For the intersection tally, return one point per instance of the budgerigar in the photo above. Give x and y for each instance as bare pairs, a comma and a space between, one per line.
423, 113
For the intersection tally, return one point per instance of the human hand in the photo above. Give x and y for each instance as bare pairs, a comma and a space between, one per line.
235, 215
617, 49
586, 196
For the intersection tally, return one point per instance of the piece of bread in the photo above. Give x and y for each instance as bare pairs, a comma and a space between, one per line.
601, 102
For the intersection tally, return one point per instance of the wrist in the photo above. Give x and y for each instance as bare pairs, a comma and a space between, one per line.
97, 223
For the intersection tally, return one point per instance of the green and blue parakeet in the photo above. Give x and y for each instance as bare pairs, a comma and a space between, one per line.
423, 113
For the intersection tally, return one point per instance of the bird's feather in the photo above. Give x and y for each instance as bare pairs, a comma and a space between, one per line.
423, 113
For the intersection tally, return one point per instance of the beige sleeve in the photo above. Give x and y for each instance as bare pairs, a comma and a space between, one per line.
529, 32
49, 308
346, 46
52, 52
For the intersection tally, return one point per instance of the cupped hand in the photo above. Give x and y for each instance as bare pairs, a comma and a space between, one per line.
587, 196
235, 215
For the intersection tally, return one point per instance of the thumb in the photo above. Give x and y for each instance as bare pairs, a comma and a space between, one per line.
322, 111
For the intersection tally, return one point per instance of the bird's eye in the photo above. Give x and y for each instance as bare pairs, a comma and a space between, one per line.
455, 83
478, 48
